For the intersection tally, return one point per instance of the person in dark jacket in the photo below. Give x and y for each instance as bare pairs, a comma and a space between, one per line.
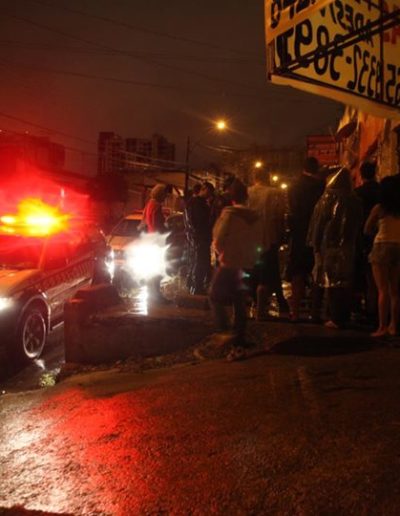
191, 252
302, 197
198, 216
368, 193
334, 229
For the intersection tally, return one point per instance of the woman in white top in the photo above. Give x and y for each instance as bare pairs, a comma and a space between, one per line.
384, 222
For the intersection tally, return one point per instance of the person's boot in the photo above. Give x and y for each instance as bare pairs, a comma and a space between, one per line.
262, 299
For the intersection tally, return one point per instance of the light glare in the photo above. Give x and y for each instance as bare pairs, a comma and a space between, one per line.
5, 303
146, 257
221, 125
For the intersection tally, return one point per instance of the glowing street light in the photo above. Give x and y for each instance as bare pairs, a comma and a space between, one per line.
258, 164
275, 178
221, 125
284, 186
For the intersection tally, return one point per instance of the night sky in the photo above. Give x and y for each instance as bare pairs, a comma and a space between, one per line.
187, 84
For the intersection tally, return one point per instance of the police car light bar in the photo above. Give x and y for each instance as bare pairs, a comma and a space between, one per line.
34, 218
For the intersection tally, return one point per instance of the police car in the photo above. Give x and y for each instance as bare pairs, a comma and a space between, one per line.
37, 276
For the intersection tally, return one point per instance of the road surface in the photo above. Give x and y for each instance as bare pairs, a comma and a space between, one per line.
276, 434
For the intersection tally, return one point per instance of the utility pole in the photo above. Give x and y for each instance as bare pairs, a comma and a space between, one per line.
187, 171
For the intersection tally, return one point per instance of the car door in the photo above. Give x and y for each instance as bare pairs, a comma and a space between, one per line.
81, 267
56, 254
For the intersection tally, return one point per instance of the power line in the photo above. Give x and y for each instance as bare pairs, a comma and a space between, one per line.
158, 55
125, 53
43, 128
144, 30
72, 73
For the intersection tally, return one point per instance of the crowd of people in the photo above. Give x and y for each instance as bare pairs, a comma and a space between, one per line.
343, 248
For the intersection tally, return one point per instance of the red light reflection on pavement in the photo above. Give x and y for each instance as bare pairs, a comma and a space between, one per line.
75, 460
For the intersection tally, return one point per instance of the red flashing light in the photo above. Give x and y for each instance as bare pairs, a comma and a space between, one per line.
34, 218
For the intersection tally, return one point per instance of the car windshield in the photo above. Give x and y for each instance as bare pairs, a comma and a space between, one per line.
20, 253
127, 228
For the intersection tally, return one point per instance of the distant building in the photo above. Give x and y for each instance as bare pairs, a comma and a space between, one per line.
110, 149
26, 155
36, 151
117, 154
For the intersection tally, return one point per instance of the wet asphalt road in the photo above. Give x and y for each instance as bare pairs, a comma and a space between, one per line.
276, 434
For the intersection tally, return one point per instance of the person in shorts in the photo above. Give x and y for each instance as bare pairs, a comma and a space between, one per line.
384, 220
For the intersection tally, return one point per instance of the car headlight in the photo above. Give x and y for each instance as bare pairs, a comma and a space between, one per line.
5, 302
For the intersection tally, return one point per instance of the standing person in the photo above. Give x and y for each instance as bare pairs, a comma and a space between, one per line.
368, 193
190, 236
154, 222
334, 230
222, 199
153, 217
269, 204
235, 239
302, 197
199, 220
385, 255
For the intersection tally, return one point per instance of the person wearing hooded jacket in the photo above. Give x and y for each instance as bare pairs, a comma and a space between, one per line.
236, 240
333, 233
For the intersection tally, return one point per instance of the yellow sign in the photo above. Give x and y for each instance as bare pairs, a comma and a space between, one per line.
348, 50
280, 15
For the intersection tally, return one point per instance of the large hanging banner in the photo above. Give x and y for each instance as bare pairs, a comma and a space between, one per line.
347, 50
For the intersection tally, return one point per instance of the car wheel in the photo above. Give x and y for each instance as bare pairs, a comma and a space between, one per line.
31, 337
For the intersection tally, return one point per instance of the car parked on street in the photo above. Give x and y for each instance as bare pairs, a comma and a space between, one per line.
37, 276
128, 231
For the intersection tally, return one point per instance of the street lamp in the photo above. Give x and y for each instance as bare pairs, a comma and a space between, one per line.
258, 164
219, 125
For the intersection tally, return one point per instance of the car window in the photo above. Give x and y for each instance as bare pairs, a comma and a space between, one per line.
127, 228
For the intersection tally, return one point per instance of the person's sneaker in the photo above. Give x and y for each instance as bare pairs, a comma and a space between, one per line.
235, 354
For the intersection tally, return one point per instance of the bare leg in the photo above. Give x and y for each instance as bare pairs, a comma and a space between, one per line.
381, 276
394, 287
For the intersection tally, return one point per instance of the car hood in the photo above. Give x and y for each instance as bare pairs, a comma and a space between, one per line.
118, 243
12, 280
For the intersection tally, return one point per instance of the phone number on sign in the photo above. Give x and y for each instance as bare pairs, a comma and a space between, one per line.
356, 69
